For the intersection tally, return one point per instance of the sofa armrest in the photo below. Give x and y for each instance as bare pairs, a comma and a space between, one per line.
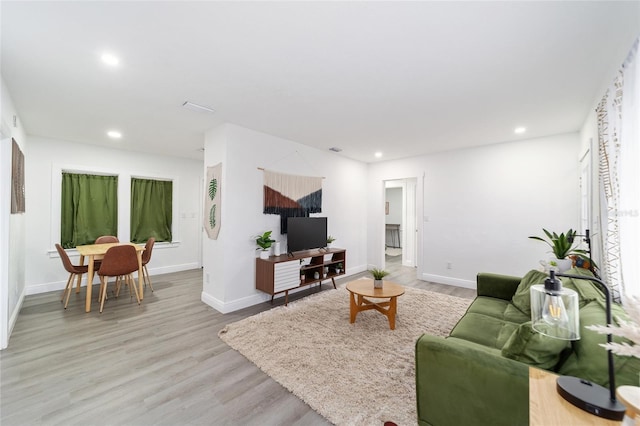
498, 286
462, 383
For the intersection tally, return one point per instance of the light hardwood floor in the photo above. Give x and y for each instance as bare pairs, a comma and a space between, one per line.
160, 363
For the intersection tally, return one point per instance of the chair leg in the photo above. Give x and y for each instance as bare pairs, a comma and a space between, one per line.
118, 285
100, 291
147, 278
103, 286
132, 283
68, 288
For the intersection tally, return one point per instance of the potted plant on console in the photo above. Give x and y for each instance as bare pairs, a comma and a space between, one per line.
264, 242
330, 240
561, 246
378, 275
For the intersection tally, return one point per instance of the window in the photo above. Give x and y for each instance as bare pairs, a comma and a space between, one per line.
89, 208
151, 209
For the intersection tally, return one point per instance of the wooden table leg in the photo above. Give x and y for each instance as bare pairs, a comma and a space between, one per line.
79, 280
87, 303
140, 276
353, 308
391, 313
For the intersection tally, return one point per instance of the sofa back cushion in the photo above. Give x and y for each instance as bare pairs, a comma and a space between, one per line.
587, 290
522, 299
588, 360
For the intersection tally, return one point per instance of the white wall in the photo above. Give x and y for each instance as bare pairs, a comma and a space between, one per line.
47, 159
12, 226
476, 207
229, 261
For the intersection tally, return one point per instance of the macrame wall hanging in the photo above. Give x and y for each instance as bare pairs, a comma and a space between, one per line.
291, 196
212, 201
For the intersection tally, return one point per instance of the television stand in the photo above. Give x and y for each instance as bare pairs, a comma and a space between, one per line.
279, 274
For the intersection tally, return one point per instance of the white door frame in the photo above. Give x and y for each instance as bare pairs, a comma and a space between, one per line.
5, 221
409, 225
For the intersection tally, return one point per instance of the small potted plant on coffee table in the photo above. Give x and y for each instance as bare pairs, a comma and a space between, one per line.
378, 275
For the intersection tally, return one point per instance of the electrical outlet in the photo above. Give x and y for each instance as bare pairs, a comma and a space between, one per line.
449, 265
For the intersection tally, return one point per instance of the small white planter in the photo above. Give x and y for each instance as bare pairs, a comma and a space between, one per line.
558, 265
377, 283
264, 254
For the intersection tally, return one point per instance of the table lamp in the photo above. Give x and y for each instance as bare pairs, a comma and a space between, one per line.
554, 313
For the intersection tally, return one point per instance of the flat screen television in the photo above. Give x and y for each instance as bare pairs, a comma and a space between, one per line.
306, 233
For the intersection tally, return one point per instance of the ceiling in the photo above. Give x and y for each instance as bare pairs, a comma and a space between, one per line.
403, 78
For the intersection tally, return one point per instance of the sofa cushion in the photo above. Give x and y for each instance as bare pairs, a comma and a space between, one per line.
589, 360
497, 308
530, 347
490, 306
522, 299
483, 329
587, 290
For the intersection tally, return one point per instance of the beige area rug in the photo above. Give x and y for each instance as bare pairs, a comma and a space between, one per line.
393, 251
352, 374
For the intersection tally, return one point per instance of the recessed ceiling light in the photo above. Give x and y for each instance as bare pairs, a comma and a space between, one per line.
113, 134
520, 130
110, 59
378, 154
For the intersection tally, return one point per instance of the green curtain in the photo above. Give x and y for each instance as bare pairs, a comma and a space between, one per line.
89, 208
151, 209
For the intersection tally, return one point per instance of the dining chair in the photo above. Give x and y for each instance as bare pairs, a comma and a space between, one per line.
106, 239
103, 239
118, 261
146, 257
73, 270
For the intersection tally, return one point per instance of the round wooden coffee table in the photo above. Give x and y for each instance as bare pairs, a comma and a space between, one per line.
360, 289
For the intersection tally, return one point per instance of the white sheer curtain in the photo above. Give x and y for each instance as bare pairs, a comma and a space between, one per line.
619, 176
629, 213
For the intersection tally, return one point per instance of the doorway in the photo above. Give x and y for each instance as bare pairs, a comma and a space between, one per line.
400, 222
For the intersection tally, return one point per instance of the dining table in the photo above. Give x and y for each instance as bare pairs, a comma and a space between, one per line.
95, 252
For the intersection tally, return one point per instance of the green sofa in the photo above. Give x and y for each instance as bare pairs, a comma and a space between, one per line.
479, 374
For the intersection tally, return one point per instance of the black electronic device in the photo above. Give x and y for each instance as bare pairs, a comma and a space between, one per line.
306, 233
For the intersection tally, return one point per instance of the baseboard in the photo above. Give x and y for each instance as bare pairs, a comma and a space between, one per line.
234, 305
449, 281
14, 315
59, 285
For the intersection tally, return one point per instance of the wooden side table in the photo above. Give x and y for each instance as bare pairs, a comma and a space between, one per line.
548, 408
630, 397
364, 288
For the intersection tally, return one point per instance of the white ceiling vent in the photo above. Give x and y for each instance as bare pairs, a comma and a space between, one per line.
196, 107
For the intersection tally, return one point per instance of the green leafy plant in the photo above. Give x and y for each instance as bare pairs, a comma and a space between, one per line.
561, 244
212, 216
213, 188
264, 241
378, 274
330, 239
